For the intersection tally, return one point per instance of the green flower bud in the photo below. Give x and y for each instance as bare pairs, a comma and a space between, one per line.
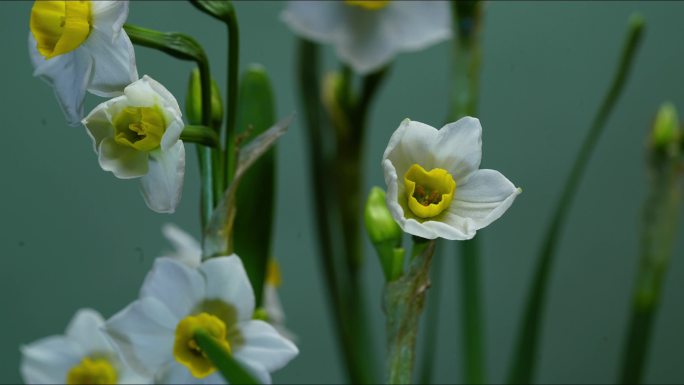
384, 233
193, 101
666, 135
332, 95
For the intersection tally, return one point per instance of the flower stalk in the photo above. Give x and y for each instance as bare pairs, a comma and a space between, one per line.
525, 353
404, 301
467, 58
660, 219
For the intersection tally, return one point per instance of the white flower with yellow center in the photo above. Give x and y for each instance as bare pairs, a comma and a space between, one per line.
79, 46
156, 332
368, 34
188, 251
84, 355
435, 188
136, 135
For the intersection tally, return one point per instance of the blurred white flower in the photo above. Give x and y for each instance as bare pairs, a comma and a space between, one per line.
188, 251
155, 333
81, 45
434, 186
368, 34
137, 135
83, 355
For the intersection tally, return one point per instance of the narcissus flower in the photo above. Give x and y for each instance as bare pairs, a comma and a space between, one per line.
84, 355
434, 186
156, 332
136, 135
188, 251
79, 46
368, 34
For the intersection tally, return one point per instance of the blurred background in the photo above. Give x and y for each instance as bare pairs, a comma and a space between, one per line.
72, 235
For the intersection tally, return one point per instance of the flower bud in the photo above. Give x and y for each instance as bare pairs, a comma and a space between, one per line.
384, 233
666, 135
193, 101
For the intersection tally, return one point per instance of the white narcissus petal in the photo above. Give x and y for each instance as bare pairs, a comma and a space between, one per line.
367, 44
484, 198
109, 16
68, 75
144, 334
47, 361
188, 250
85, 329
163, 184
256, 370
98, 123
226, 280
416, 25
176, 285
264, 346
123, 161
458, 147
316, 20
173, 130
176, 373
166, 97
113, 64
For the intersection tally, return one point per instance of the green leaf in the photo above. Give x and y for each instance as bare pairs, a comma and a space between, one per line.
220, 9
175, 44
230, 369
253, 229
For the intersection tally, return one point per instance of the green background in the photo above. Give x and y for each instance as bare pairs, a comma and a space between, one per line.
72, 235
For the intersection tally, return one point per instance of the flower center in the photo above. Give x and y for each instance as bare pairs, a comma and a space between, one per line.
428, 192
368, 4
92, 371
60, 26
140, 127
188, 352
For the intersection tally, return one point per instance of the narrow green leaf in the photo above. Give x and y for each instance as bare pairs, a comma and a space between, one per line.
253, 229
175, 44
230, 369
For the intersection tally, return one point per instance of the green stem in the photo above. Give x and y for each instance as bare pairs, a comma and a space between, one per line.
231, 102
659, 227
467, 59
525, 353
432, 320
231, 370
201, 135
404, 301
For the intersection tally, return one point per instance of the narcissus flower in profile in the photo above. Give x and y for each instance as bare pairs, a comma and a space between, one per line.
435, 188
156, 332
83, 355
136, 135
79, 46
368, 34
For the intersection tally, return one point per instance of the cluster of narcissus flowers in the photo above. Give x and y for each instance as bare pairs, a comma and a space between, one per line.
152, 339
79, 46
435, 188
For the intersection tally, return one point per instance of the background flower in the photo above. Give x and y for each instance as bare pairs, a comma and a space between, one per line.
471, 198
149, 329
368, 37
89, 51
84, 352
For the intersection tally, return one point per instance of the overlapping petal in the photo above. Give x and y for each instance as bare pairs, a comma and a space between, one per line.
226, 280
